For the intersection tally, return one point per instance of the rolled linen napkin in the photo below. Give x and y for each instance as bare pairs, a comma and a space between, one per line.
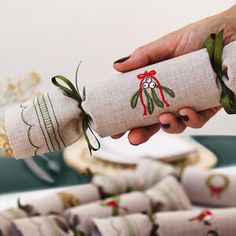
168, 195
58, 202
220, 222
150, 172
111, 106
6, 218
49, 225
118, 183
80, 218
130, 225
209, 187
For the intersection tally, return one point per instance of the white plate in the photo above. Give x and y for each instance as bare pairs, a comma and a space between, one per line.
160, 146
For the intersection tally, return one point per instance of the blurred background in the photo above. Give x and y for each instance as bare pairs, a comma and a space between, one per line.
51, 37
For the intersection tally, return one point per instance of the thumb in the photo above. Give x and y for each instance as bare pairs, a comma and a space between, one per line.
158, 50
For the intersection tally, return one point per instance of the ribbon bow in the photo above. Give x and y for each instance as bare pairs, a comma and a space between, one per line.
151, 73
73, 92
214, 45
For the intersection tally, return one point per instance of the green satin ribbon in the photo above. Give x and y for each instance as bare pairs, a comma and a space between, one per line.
214, 45
73, 92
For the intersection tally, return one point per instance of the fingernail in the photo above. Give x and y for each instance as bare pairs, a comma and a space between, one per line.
133, 144
185, 118
165, 126
122, 59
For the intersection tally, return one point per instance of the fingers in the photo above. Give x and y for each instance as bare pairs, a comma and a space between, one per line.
117, 136
195, 119
171, 124
141, 135
156, 51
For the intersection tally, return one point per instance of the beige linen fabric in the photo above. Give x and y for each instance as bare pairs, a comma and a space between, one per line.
6, 218
209, 187
49, 225
150, 172
130, 225
168, 195
220, 222
81, 217
34, 127
118, 183
58, 202
47, 123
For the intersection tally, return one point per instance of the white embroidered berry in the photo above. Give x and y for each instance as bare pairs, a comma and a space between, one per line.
145, 85
148, 80
152, 85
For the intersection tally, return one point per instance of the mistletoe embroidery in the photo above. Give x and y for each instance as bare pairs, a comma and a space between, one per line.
114, 203
148, 81
217, 183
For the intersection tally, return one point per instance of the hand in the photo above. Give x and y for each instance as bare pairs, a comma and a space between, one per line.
185, 40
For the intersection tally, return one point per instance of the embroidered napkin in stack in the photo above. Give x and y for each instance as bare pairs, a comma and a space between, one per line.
205, 222
168, 195
58, 202
150, 172
111, 106
80, 217
209, 187
6, 218
185, 223
130, 225
118, 183
49, 225
146, 174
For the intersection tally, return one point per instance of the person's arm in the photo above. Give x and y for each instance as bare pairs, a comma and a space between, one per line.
185, 40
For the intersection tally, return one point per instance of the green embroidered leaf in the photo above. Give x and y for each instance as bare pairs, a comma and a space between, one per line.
168, 91
150, 104
134, 99
156, 100
115, 211
77, 232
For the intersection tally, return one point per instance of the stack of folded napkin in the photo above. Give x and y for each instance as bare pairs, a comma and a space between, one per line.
130, 203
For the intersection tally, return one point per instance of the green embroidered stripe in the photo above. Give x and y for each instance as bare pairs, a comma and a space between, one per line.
41, 127
54, 114
48, 122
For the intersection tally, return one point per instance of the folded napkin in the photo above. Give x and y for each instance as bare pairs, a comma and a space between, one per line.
209, 187
112, 106
150, 172
168, 195
6, 218
49, 225
80, 218
58, 202
130, 225
220, 222
118, 183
